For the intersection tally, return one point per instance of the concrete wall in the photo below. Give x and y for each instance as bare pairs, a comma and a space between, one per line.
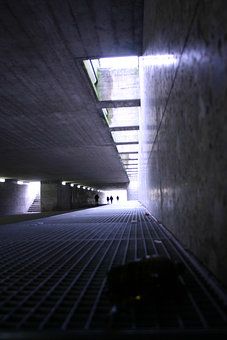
183, 124
132, 190
85, 198
118, 84
48, 196
14, 198
55, 197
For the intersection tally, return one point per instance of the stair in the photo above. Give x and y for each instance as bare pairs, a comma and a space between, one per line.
35, 206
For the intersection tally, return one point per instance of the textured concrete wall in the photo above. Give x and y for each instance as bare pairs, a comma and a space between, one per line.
132, 190
118, 84
183, 124
55, 196
48, 196
14, 198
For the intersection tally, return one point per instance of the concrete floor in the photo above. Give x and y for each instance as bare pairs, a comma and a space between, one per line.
53, 278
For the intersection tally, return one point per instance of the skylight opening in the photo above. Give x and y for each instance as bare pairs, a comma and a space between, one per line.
127, 156
125, 136
131, 166
114, 78
131, 162
122, 116
117, 79
128, 148
119, 62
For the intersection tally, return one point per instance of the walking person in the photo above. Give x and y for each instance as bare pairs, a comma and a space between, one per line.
108, 199
97, 199
111, 199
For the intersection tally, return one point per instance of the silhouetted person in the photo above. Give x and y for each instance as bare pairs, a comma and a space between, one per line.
96, 199
108, 199
111, 199
117, 198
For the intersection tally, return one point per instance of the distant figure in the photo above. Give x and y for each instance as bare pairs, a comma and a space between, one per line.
111, 199
96, 199
117, 198
108, 199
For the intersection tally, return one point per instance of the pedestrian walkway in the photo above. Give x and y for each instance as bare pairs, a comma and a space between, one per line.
53, 277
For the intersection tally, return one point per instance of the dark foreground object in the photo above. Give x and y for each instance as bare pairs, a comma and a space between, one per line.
148, 282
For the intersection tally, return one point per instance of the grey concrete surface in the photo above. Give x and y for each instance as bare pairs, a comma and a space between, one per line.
183, 123
53, 128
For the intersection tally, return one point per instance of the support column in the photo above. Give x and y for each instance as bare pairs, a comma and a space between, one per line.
55, 196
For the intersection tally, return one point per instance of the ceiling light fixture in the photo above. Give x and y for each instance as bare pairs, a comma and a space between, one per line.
20, 182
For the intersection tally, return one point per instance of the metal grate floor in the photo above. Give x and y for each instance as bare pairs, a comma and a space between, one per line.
53, 274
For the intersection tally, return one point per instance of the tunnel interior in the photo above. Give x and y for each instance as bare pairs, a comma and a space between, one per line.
82, 127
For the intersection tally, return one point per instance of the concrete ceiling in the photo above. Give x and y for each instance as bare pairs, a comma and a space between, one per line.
51, 124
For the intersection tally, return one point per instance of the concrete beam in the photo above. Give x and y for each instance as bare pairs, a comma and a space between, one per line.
124, 128
126, 143
125, 152
105, 104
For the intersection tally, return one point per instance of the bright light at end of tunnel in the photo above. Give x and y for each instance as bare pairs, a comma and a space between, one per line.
159, 60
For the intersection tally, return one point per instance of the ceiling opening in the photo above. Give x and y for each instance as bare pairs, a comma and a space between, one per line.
119, 62
117, 79
114, 78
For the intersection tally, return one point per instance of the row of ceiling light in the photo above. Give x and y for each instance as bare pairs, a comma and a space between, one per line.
20, 182
80, 186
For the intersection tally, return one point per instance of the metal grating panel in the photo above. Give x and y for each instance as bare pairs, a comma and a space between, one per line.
53, 274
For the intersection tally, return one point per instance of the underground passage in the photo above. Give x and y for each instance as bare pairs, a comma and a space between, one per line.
113, 169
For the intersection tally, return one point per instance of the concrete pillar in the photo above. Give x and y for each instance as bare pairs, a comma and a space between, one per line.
55, 196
